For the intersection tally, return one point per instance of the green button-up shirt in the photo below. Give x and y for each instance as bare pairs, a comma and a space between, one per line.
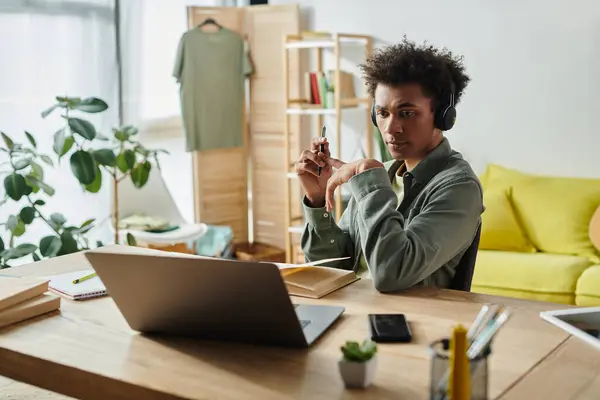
417, 242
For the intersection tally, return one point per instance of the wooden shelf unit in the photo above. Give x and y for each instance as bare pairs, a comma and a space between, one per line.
300, 107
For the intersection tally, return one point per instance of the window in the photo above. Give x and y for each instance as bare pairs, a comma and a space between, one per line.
50, 48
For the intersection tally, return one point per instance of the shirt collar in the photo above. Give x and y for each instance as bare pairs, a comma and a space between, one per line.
428, 167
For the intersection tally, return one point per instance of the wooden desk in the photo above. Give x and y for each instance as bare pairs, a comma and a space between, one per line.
87, 351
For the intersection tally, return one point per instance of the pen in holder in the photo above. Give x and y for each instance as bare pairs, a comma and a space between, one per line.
471, 386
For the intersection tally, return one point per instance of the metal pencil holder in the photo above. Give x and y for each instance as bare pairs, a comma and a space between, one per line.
440, 373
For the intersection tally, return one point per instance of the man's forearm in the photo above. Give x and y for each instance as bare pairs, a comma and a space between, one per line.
323, 238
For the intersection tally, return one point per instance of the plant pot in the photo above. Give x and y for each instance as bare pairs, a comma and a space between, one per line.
358, 374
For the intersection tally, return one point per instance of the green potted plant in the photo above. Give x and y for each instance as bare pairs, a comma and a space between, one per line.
358, 363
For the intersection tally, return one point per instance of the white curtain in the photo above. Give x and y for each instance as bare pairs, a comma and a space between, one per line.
54, 48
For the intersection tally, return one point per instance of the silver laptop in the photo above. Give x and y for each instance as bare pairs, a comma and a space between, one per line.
215, 299
581, 322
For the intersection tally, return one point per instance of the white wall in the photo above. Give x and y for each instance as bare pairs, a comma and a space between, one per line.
534, 99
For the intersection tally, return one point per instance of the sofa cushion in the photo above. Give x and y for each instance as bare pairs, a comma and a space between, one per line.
500, 229
555, 211
587, 292
537, 276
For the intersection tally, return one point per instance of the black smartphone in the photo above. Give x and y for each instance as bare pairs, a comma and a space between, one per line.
389, 328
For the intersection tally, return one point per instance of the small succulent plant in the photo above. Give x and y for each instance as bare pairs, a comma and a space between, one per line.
353, 351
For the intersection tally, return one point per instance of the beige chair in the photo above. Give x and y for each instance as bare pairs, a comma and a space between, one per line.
155, 200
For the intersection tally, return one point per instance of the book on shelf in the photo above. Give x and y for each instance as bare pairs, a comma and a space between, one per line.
319, 87
24, 298
315, 280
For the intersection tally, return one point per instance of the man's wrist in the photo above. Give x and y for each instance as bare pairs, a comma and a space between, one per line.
315, 201
367, 164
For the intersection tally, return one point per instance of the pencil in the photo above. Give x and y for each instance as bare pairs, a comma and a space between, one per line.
84, 278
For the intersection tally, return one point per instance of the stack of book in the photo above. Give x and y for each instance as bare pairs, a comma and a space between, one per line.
24, 298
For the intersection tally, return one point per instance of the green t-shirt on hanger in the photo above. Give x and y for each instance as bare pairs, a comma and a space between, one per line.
211, 68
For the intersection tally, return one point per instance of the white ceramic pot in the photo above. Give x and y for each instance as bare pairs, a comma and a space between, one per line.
358, 374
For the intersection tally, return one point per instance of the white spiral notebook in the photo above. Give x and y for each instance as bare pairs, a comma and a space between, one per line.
63, 285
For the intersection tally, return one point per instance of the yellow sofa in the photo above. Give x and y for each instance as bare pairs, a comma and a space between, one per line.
535, 241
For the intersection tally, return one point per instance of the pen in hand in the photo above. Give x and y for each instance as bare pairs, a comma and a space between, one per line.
321, 148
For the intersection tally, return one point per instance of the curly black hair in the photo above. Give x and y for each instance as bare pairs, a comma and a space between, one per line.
426, 65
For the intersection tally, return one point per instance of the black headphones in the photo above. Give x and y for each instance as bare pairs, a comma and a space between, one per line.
445, 113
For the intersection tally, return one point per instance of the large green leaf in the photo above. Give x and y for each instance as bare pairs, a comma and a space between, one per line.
130, 130
8, 141
49, 110
86, 226
31, 139
69, 244
95, 186
59, 141
141, 150
69, 100
92, 105
33, 181
21, 163
1, 245
27, 215
105, 157
83, 128
140, 174
12, 222
21, 250
62, 143
126, 160
19, 230
37, 170
47, 160
16, 187
125, 132
83, 167
50, 246
58, 219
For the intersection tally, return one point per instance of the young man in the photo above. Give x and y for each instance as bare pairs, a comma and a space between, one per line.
409, 221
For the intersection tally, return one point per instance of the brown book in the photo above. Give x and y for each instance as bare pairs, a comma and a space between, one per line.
17, 290
316, 281
30, 308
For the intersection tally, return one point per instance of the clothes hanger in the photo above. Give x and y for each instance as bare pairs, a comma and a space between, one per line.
210, 21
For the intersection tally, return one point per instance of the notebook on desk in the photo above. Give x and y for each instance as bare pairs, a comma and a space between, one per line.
63, 285
314, 280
